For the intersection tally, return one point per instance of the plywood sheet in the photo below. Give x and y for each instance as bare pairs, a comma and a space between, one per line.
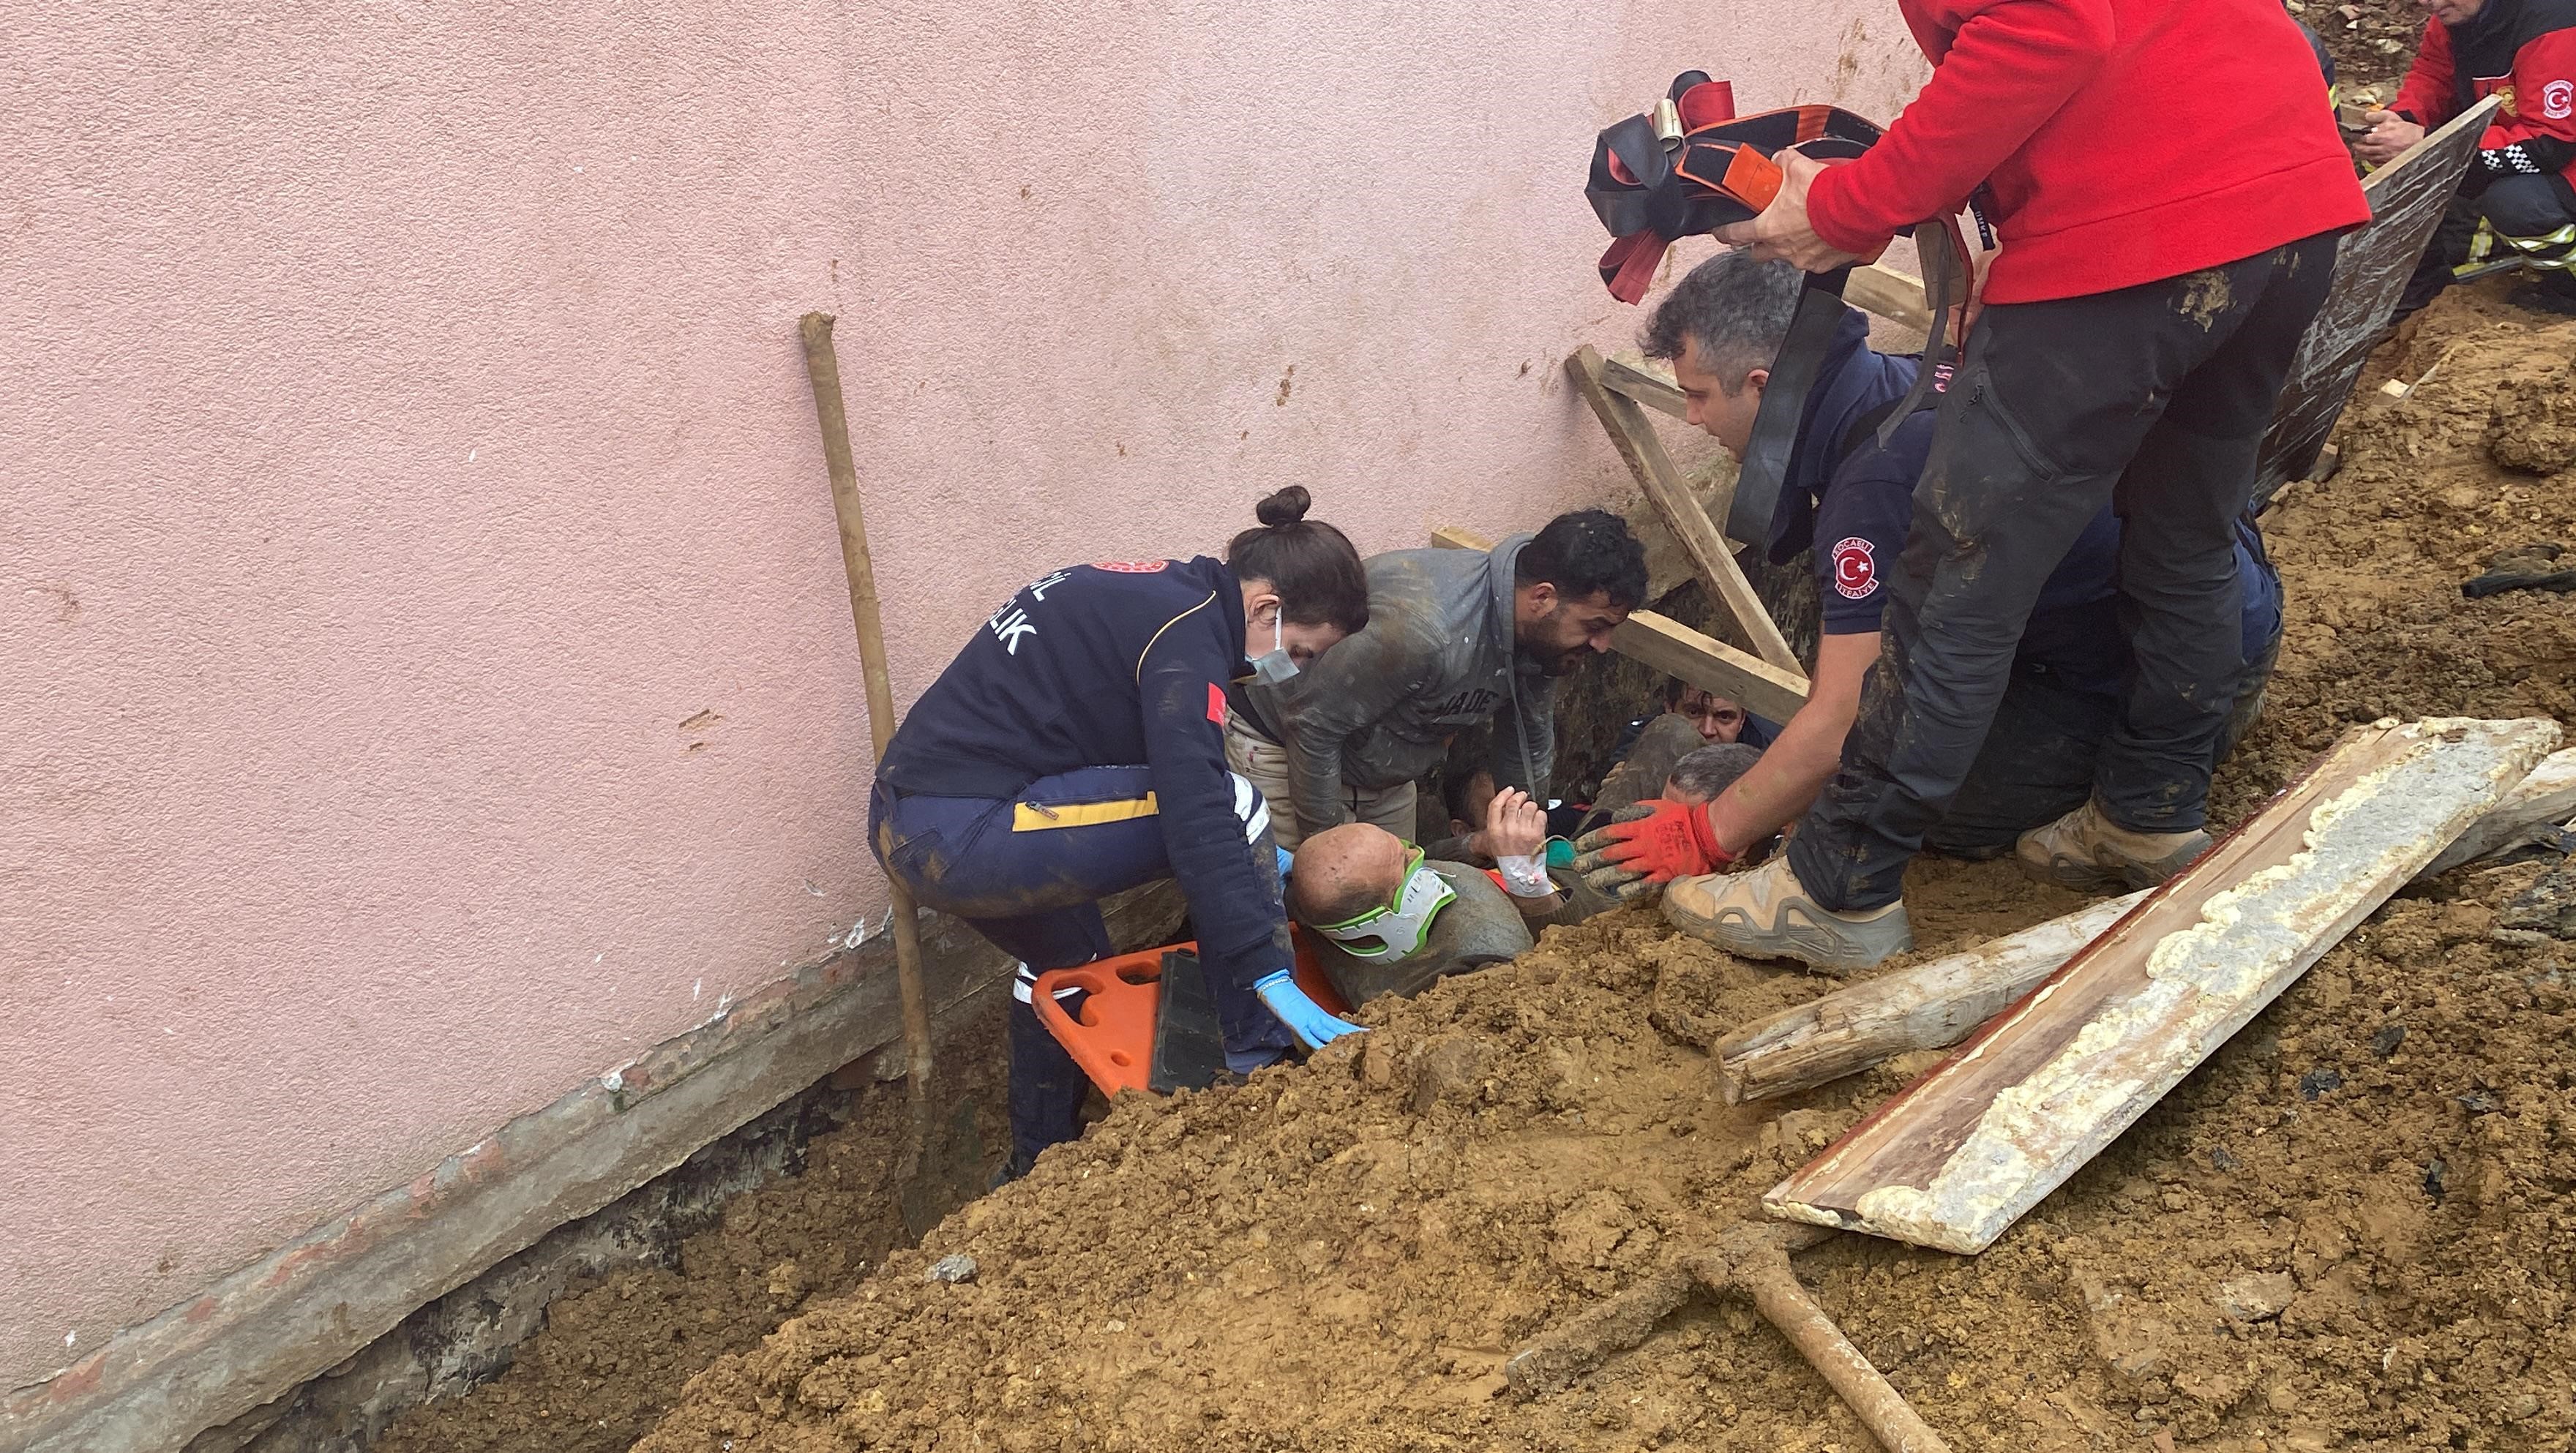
2371, 267
1959, 1155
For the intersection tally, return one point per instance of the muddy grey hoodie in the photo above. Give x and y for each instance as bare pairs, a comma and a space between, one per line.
1436, 657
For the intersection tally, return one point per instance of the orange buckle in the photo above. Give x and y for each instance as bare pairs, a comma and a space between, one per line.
1113, 1038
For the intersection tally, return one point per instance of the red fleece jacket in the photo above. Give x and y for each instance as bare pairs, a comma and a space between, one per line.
2126, 141
2525, 49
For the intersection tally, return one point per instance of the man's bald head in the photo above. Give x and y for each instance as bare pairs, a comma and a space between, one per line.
1343, 872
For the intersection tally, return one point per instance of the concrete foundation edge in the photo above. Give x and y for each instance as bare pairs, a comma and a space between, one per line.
304, 1309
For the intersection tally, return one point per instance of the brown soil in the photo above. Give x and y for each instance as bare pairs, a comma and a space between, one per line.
2372, 41
617, 1350
2351, 1229
2374, 1176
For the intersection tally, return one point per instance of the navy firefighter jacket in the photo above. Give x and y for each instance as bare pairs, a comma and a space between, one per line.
1118, 664
1853, 501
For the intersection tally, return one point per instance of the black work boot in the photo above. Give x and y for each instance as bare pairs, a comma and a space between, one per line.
2553, 292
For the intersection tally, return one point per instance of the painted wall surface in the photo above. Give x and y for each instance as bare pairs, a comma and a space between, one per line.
429, 673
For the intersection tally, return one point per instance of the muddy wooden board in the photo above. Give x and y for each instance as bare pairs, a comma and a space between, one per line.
1929, 1006
2371, 267
1959, 1155
1935, 1005
1712, 556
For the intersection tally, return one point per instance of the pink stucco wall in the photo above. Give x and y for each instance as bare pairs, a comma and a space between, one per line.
429, 678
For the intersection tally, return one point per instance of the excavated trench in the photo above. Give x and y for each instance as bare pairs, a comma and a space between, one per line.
2350, 1229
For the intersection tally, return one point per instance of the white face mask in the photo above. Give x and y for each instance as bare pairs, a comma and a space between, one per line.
1274, 665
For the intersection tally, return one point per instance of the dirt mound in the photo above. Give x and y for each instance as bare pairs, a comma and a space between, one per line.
2372, 41
2351, 1229
2533, 427
1336, 1256
618, 1348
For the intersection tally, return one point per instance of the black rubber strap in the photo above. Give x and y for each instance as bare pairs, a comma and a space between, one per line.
1944, 286
1784, 404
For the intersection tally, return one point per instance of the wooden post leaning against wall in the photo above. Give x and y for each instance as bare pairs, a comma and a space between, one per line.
1712, 559
823, 370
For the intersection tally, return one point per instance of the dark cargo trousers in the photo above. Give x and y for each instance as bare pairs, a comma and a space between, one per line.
1027, 872
2534, 219
2152, 399
2037, 764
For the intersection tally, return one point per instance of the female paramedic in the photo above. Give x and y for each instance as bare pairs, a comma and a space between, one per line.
1076, 747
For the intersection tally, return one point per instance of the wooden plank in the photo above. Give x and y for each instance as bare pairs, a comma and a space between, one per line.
1959, 1155
1937, 1004
1675, 649
1633, 435
1895, 296
2538, 802
1710, 664
1650, 382
1647, 380
2370, 270
1929, 1006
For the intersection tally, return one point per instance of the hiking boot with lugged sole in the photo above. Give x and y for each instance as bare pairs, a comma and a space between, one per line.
2090, 853
1765, 914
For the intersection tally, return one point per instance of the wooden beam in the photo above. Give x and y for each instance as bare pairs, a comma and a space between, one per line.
1710, 664
1929, 1006
1959, 1155
2537, 803
1895, 296
1675, 649
1649, 381
1935, 1005
1633, 435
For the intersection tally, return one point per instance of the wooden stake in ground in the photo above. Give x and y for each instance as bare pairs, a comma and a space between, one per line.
1935, 1005
1964, 1151
1752, 1259
823, 368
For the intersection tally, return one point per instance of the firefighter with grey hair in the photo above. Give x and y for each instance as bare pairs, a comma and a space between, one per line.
1848, 497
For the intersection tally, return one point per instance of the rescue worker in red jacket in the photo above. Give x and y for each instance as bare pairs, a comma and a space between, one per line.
2168, 193
2524, 50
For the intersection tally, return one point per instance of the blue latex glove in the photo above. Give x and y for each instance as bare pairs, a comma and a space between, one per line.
1287, 863
1304, 1017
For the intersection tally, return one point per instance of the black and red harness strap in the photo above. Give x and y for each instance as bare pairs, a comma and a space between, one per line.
1691, 166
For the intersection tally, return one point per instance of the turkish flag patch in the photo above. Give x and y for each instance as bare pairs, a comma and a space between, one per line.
1216, 703
1855, 567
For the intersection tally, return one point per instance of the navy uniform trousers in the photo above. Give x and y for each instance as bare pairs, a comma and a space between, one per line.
1027, 872
2151, 399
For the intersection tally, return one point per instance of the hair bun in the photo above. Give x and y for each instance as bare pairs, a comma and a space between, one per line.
1286, 507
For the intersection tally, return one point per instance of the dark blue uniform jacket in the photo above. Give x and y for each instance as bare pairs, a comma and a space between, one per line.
1853, 508
1117, 664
